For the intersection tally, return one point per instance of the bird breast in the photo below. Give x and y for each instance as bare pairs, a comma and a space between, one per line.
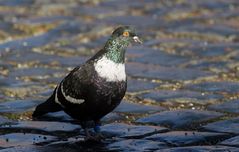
110, 70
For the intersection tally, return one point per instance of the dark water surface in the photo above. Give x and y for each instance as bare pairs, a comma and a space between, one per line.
183, 85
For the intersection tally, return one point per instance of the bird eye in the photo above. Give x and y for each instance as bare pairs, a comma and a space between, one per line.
126, 34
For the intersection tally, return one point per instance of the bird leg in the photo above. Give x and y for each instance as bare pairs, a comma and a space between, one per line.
98, 135
88, 135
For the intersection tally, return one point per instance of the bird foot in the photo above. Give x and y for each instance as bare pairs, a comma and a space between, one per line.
97, 138
100, 136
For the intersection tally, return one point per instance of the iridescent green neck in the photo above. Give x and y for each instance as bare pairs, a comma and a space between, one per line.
115, 49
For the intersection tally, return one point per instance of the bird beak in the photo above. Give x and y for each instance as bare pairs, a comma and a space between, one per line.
137, 40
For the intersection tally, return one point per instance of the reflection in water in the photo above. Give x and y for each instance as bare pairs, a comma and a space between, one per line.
186, 68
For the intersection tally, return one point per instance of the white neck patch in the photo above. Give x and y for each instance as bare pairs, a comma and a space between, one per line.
110, 70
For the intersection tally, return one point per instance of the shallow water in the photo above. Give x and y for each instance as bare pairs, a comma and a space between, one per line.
182, 82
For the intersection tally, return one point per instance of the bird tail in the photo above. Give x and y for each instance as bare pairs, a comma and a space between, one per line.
48, 106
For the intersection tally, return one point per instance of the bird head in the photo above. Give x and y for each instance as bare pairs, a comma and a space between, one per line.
126, 34
116, 45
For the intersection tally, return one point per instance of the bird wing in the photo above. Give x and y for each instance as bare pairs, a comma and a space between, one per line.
73, 88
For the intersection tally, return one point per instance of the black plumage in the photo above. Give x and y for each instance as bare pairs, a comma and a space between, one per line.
92, 90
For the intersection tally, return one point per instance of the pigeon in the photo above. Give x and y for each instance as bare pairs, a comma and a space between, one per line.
95, 88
